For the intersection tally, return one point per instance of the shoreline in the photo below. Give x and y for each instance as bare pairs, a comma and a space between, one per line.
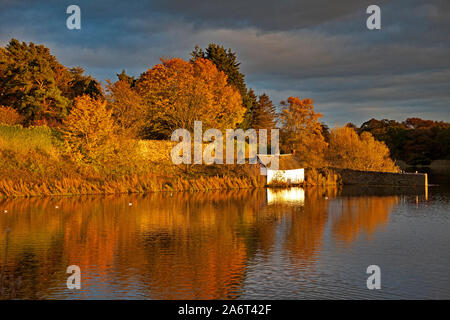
126, 185
151, 183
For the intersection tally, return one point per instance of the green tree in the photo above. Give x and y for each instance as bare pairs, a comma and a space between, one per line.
35, 84
263, 112
81, 84
415, 141
123, 76
28, 82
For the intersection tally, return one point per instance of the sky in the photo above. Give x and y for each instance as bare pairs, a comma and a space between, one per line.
311, 49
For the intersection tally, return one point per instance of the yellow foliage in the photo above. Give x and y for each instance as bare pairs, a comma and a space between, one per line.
350, 151
89, 130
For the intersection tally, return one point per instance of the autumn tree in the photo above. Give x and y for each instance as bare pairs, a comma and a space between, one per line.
89, 130
348, 150
178, 92
226, 61
301, 131
128, 108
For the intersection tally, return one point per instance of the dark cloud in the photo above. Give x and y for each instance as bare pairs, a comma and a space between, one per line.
319, 49
265, 15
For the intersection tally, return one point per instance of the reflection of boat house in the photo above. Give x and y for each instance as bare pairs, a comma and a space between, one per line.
290, 170
290, 196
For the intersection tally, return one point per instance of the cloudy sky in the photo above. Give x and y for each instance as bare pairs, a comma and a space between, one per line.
318, 49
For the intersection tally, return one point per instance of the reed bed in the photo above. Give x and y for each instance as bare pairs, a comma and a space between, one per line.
131, 184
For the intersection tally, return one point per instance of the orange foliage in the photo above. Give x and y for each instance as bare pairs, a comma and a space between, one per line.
178, 92
127, 107
173, 245
302, 131
9, 116
363, 214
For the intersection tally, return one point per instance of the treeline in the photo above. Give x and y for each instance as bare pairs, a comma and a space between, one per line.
415, 141
35, 89
94, 129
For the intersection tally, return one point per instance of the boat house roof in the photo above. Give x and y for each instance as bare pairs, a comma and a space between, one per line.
285, 161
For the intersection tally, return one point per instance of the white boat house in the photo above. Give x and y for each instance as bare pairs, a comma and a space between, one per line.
290, 170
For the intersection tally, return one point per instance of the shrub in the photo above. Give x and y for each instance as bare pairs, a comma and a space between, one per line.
89, 131
93, 139
9, 116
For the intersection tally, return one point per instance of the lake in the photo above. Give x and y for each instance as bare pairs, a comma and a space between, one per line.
291, 243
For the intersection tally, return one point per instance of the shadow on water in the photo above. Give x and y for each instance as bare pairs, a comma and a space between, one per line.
179, 245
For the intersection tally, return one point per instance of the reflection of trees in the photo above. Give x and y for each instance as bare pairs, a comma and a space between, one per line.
304, 238
170, 245
361, 214
196, 252
180, 245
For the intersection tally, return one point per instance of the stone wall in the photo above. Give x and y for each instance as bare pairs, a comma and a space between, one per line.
354, 177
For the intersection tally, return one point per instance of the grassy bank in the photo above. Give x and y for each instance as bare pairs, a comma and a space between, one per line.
36, 163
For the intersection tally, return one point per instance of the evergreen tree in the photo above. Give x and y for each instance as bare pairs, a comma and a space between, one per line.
29, 84
123, 76
263, 113
37, 86
81, 84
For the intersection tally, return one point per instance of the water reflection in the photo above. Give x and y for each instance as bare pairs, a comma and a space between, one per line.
173, 246
294, 196
353, 216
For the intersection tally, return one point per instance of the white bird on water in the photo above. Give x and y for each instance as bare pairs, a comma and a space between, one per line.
130, 204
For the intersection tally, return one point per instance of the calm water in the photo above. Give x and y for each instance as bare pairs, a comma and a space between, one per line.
268, 244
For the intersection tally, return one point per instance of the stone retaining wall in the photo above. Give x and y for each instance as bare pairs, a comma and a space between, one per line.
354, 177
